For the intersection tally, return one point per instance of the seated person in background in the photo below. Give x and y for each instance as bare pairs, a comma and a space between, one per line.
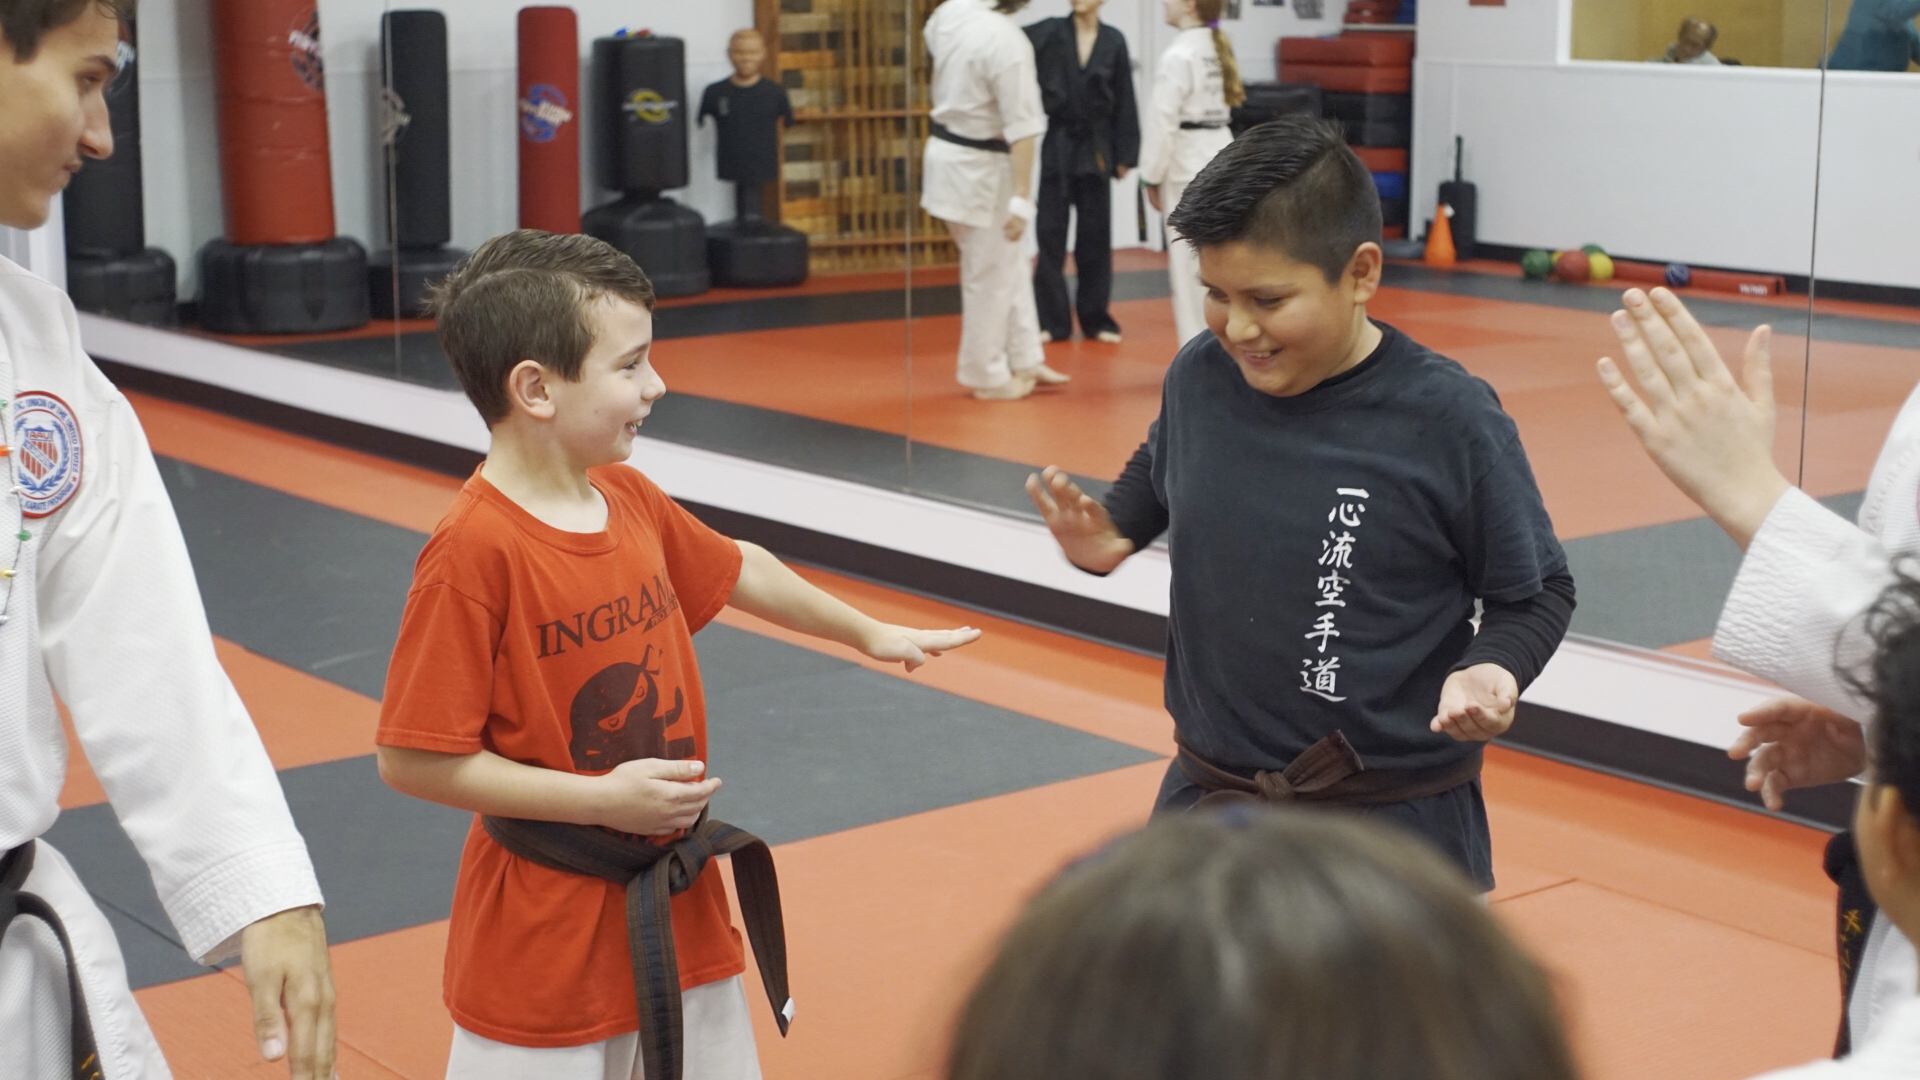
1886, 824
1690, 45
1260, 945
1879, 37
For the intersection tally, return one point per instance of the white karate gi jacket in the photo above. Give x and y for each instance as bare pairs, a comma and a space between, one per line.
1892, 1054
984, 87
1187, 88
104, 612
1807, 577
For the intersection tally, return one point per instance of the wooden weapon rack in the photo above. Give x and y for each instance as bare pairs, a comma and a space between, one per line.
850, 163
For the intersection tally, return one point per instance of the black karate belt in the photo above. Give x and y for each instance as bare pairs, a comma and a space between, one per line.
1854, 913
1197, 125
1329, 771
653, 874
998, 146
15, 865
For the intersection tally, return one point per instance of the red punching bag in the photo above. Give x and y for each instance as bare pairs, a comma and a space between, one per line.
549, 108
273, 121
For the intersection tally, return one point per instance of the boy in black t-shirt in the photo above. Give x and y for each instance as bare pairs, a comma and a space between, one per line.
1336, 498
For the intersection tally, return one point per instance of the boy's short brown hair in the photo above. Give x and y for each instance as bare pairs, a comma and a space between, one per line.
525, 295
24, 21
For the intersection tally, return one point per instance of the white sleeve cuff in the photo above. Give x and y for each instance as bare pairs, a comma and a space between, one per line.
1807, 577
212, 909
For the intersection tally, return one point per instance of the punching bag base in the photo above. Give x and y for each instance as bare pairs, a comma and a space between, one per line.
417, 269
138, 288
668, 240
756, 254
283, 288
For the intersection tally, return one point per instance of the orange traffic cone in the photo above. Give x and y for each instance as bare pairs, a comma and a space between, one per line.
1440, 238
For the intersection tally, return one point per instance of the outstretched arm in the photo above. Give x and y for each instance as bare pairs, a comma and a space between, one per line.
771, 590
1808, 573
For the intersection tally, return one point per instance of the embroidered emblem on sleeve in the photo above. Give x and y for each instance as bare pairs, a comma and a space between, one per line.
48, 456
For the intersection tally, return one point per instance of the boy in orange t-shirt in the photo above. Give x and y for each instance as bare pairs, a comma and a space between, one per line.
545, 669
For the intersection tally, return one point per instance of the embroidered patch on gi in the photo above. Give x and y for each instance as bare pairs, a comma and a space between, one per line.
48, 455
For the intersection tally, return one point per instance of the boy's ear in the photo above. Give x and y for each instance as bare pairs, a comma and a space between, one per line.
1363, 271
527, 389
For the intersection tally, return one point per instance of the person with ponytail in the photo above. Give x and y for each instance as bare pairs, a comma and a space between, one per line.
1195, 86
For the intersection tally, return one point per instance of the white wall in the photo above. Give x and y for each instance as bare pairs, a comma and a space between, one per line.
180, 140
1713, 166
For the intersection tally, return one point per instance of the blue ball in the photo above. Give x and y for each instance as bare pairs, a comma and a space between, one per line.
1678, 275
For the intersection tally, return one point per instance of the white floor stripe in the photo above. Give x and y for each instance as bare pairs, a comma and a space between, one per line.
1636, 688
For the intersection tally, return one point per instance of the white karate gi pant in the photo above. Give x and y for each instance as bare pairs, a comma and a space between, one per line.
714, 1021
35, 1039
1183, 272
999, 327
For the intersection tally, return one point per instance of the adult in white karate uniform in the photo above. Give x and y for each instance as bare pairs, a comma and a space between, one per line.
978, 179
100, 607
1194, 86
1807, 577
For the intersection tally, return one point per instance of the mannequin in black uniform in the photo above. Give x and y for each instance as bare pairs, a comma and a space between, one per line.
747, 110
1093, 134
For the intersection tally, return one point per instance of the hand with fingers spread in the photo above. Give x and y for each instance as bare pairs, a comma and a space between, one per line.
1712, 437
1477, 703
1078, 522
1792, 743
903, 644
284, 959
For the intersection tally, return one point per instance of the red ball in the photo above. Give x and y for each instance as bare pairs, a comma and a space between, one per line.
1571, 266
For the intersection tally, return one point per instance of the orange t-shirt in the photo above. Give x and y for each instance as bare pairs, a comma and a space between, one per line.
569, 651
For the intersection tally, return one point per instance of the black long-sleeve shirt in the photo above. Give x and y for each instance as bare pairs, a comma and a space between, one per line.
1093, 123
1328, 549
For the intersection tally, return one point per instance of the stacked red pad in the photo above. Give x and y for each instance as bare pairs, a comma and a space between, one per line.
1353, 63
1366, 79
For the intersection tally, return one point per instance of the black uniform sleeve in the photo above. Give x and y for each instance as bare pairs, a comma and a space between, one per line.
786, 104
1126, 114
708, 103
1132, 503
1521, 636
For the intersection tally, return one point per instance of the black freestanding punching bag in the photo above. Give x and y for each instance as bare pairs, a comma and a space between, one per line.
110, 268
640, 86
413, 67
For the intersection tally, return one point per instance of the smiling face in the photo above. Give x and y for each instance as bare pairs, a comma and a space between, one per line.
55, 115
1285, 326
596, 416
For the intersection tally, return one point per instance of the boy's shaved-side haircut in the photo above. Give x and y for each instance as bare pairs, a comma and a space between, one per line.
526, 295
24, 21
1893, 685
1290, 183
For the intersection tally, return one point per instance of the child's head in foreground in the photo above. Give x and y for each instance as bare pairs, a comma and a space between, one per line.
549, 335
1286, 222
1886, 830
1297, 945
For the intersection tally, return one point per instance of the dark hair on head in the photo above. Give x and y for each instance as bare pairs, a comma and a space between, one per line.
1290, 183
1892, 684
25, 21
1293, 945
526, 295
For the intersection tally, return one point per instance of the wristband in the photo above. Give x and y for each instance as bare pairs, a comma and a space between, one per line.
1022, 208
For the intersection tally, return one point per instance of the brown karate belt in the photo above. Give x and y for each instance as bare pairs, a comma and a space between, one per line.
653, 874
1329, 771
15, 865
